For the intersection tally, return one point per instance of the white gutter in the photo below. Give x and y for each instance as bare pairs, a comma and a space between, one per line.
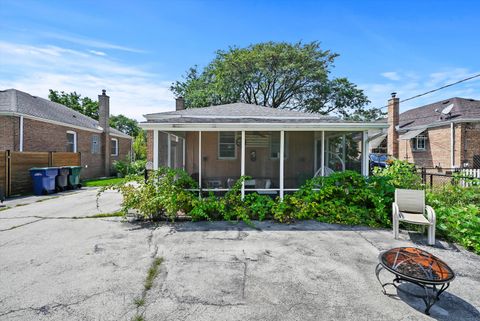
21, 134
264, 126
452, 145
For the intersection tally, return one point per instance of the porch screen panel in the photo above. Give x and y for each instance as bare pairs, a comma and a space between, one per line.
299, 164
262, 161
343, 151
162, 149
191, 154
220, 159
176, 150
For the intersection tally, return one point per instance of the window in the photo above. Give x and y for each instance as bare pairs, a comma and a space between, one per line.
71, 141
420, 142
226, 145
114, 146
95, 144
275, 145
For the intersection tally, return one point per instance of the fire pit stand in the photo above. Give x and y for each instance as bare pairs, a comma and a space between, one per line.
418, 267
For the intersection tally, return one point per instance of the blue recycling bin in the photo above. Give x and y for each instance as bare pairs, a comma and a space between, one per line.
43, 179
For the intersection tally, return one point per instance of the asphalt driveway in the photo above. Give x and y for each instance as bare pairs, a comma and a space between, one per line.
57, 267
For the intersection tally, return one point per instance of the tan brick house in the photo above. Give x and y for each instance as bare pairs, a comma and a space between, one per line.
33, 124
444, 134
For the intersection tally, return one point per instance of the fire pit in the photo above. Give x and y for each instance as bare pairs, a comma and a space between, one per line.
418, 267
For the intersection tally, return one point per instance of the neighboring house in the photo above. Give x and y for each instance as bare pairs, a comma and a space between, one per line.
445, 134
33, 124
279, 149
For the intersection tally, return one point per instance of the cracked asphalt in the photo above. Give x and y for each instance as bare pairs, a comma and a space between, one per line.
54, 267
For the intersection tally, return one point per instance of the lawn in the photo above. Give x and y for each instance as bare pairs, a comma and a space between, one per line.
102, 181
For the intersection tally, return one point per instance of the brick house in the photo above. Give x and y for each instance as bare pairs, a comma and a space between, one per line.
33, 124
444, 134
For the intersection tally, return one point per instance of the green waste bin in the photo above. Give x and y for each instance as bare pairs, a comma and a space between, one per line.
74, 176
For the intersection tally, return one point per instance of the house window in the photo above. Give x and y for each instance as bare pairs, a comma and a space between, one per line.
226, 145
95, 144
275, 146
420, 142
114, 146
71, 141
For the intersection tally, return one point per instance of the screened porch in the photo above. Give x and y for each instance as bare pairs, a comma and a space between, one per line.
277, 162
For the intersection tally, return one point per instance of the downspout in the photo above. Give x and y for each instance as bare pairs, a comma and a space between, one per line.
452, 145
21, 134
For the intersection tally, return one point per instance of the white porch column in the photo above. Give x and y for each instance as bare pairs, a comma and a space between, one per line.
21, 134
169, 150
183, 152
242, 163
365, 152
323, 153
200, 162
282, 161
155, 149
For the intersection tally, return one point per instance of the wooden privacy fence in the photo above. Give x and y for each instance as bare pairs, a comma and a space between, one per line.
14, 168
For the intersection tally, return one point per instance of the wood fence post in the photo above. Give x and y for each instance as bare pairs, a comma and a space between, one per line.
50, 159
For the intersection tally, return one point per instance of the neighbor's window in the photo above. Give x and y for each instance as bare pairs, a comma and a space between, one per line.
114, 147
71, 141
420, 142
95, 144
226, 145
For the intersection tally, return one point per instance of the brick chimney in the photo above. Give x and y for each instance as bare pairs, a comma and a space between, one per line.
393, 121
179, 103
104, 121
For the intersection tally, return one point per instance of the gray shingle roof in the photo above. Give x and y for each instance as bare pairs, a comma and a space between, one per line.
427, 116
16, 101
237, 112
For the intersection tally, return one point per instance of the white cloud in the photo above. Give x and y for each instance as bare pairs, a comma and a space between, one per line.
412, 84
35, 69
98, 53
391, 75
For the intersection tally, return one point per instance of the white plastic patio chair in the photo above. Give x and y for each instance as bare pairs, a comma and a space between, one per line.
409, 207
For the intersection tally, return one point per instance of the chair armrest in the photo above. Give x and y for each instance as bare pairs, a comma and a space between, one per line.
432, 218
395, 210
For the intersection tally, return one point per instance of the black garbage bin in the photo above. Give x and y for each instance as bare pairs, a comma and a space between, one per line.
62, 178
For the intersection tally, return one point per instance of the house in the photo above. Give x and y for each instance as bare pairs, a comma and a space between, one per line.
33, 124
444, 134
279, 149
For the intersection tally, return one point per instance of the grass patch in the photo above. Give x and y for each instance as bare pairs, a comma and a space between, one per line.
4, 208
139, 302
152, 273
21, 204
46, 199
138, 317
100, 215
102, 181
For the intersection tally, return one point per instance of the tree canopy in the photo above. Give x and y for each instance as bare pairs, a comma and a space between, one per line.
275, 74
89, 107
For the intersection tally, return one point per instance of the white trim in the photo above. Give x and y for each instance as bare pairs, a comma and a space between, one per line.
365, 152
155, 149
452, 145
200, 162
183, 153
242, 163
121, 135
262, 126
74, 139
116, 146
287, 118
282, 162
21, 134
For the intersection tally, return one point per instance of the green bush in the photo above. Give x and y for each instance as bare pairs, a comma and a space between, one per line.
402, 174
125, 168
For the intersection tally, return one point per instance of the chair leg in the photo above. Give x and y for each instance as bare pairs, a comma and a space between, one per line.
395, 227
431, 235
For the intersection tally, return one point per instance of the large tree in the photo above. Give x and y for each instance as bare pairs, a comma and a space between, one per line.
89, 107
279, 75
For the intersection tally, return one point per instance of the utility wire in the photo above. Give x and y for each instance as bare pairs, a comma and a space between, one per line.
436, 89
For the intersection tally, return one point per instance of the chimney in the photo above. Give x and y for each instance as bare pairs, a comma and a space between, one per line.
179, 103
393, 121
104, 122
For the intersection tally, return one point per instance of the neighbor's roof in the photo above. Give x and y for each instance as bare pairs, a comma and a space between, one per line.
431, 115
239, 113
18, 102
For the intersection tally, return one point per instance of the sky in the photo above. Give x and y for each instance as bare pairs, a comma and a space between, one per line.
136, 49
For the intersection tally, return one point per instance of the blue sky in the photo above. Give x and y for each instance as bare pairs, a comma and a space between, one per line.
136, 49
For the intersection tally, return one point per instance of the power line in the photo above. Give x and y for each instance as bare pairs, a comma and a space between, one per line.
436, 89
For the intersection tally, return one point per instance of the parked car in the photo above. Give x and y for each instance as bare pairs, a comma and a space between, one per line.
378, 160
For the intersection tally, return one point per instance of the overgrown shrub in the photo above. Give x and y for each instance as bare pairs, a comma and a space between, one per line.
125, 168
402, 174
